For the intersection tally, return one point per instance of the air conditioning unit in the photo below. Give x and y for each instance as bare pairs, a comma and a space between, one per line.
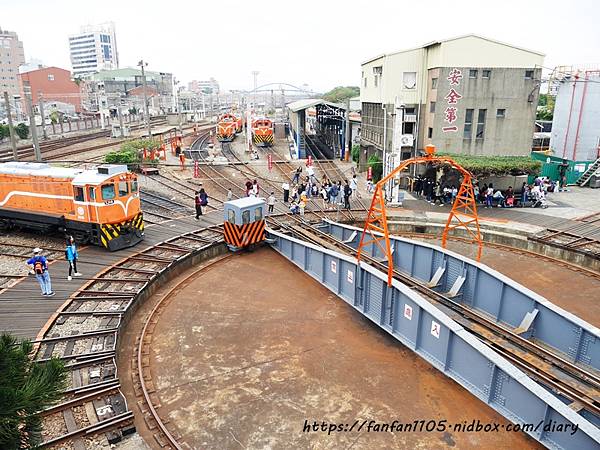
406, 140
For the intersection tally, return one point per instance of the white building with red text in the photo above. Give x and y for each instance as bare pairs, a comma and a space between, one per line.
468, 95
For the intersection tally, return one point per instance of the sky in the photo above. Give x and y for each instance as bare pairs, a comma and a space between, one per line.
320, 43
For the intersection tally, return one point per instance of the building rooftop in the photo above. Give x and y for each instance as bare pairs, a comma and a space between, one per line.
125, 73
429, 44
311, 102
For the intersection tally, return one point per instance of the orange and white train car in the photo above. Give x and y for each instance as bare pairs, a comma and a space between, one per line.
100, 206
226, 128
239, 123
262, 132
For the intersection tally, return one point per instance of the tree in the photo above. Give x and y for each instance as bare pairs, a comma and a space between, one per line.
54, 117
545, 110
22, 131
340, 94
26, 389
376, 167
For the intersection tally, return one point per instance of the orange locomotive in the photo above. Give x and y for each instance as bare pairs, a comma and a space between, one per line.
226, 128
100, 206
262, 132
239, 123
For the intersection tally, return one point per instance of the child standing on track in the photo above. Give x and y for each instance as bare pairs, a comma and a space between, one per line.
71, 255
39, 267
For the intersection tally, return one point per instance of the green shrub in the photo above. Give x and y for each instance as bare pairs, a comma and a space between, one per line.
22, 131
481, 166
130, 152
376, 167
355, 152
4, 131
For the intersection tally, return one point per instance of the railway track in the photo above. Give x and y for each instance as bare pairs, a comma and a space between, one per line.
84, 333
164, 204
570, 240
578, 384
76, 420
56, 144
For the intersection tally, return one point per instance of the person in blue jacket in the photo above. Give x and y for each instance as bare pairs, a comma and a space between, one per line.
39, 267
71, 256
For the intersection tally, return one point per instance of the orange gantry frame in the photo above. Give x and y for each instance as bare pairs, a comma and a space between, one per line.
463, 213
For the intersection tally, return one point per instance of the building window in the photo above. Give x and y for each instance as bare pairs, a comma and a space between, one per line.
375, 78
528, 74
409, 80
409, 110
479, 134
486, 73
501, 113
430, 133
432, 107
434, 83
468, 131
50, 77
365, 82
473, 73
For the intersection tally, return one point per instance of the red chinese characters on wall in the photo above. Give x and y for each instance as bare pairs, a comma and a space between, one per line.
452, 98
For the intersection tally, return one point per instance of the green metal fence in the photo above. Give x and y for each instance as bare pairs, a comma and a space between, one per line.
550, 166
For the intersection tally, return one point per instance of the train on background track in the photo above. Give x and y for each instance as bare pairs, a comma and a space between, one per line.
228, 126
99, 206
262, 132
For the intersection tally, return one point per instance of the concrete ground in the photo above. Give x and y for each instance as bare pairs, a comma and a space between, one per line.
244, 360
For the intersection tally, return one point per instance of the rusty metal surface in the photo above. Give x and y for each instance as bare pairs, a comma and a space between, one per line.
241, 362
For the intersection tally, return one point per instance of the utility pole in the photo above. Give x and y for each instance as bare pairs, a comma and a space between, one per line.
348, 136
142, 64
11, 129
255, 75
32, 125
120, 118
41, 103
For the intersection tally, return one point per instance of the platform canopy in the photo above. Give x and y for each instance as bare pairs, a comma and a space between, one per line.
311, 103
321, 132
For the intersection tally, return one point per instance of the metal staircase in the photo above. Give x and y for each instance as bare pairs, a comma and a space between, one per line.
585, 177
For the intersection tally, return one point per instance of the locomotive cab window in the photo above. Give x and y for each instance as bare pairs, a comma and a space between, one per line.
108, 191
78, 193
258, 214
246, 217
231, 216
91, 194
123, 189
134, 186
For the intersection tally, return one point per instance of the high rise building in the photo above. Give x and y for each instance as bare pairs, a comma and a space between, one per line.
11, 57
210, 86
94, 49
